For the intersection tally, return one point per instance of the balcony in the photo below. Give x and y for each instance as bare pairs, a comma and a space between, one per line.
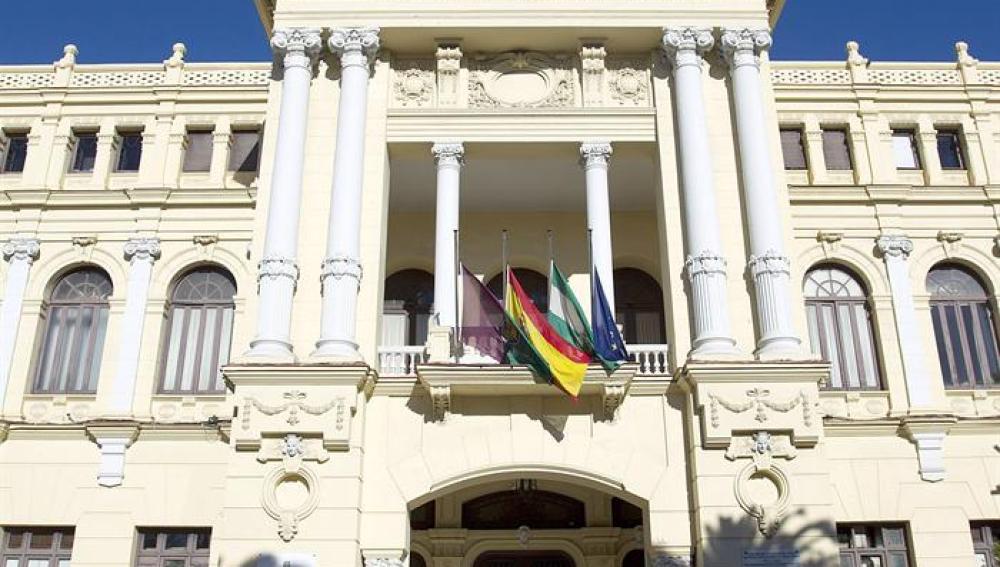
402, 361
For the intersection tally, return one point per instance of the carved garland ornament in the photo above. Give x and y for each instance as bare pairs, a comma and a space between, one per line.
760, 399
295, 404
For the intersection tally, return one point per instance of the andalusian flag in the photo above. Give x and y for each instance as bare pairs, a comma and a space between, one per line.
566, 363
565, 313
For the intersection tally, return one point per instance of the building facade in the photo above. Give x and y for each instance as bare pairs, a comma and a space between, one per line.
230, 296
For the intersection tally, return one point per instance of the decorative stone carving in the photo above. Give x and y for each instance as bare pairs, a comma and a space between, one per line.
84, 241
21, 250
449, 153
762, 448
178, 51
895, 246
522, 79
595, 154
112, 442
298, 46
355, 46
205, 239
705, 262
686, 46
760, 400
928, 434
286, 511
742, 46
292, 446
68, 60
294, 405
147, 249
381, 561
273, 267
614, 396
628, 82
592, 66
440, 401
449, 65
413, 83
769, 263
341, 266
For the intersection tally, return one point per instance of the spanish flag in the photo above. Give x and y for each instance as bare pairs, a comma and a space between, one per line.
566, 364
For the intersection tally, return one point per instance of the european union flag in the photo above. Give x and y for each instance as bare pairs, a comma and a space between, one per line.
608, 343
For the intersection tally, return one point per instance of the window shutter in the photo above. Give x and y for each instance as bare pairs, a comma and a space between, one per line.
835, 150
198, 156
792, 149
904, 150
245, 152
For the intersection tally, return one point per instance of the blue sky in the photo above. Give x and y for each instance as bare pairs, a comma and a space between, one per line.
142, 30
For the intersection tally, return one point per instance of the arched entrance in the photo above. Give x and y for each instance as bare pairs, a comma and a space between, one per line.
526, 522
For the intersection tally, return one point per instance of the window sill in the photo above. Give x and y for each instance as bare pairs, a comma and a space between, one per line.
59, 408
977, 402
855, 404
190, 408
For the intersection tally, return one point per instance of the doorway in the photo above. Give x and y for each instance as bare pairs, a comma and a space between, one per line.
524, 559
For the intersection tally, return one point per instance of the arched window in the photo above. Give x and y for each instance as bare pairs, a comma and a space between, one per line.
199, 332
535, 285
639, 307
963, 327
840, 328
409, 298
76, 319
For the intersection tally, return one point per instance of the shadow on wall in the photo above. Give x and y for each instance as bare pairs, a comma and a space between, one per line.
723, 542
269, 560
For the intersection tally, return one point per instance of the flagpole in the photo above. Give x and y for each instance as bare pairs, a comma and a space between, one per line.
590, 254
503, 260
456, 329
552, 255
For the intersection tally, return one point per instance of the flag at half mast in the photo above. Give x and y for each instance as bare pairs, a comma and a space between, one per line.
565, 313
567, 364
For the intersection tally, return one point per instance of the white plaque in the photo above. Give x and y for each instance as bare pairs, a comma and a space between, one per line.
781, 558
286, 560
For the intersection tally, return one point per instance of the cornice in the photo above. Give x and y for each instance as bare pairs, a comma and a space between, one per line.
127, 198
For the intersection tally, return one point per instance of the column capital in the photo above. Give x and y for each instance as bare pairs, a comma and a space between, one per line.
894, 246
595, 154
356, 46
299, 46
686, 46
21, 249
141, 248
741, 47
341, 266
449, 153
770, 262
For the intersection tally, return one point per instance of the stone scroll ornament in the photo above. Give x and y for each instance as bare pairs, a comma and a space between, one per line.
762, 448
292, 450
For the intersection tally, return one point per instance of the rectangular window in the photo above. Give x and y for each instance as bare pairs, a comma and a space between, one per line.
36, 547
84, 152
986, 543
949, 146
792, 149
198, 156
129, 151
904, 149
15, 152
181, 547
836, 150
245, 152
873, 545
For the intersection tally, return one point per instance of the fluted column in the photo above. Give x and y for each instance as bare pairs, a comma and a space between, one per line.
141, 253
341, 273
895, 251
769, 264
449, 167
596, 157
277, 269
705, 264
20, 253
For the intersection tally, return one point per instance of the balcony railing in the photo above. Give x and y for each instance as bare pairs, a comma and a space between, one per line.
399, 361
652, 359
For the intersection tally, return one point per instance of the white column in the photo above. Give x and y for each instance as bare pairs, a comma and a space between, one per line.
705, 265
895, 251
768, 264
449, 168
19, 253
141, 253
277, 270
341, 274
595, 157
